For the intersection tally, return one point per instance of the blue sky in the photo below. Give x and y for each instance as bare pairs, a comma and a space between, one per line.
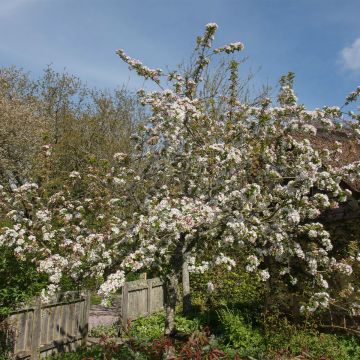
317, 39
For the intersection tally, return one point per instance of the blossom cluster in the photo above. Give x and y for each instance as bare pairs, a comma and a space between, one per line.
139, 67
230, 48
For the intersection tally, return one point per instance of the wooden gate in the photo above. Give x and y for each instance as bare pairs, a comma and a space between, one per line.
141, 298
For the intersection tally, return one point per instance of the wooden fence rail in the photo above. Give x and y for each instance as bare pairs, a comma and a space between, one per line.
48, 328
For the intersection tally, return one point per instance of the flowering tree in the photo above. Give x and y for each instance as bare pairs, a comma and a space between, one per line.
247, 179
69, 233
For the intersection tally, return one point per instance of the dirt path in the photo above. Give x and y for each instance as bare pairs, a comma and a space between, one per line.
101, 315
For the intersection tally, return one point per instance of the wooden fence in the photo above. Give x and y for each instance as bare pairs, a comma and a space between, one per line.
48, 328
141, 298
61, 325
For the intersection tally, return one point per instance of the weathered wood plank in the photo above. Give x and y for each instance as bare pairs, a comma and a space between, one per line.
51, 330
44, 325
137, 285
87, 296
158, 296
36, 330
149, 296
63, 323
21, 333
125, 305
70, 326
57, 313
29, 330
77, 319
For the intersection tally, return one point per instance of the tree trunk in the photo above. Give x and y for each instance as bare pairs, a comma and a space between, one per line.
170, 287
171, 282
186, 286
170, 297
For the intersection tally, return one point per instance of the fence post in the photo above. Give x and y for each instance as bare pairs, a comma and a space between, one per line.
125, 305
149, 296
87, 297
36, 330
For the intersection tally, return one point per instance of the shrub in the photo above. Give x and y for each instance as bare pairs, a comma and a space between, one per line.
286, 341
231, 288
109, 331
19, 281
152, 327
240, 335
6, 343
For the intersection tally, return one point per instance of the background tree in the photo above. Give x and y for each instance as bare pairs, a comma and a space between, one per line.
22, 129
81, 125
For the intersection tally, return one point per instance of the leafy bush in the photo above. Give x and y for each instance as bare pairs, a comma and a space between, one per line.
241, 335
4, 357
19, 281
99, 331
152, 327
5, 346
313, 345
324, 345
95, 299
285, 340
231, 288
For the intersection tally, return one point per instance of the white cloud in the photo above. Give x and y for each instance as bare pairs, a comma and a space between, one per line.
350, 56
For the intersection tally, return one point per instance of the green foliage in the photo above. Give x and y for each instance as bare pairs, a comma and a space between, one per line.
152, 327
287, 340
287, 80
4, 357
186, 325
5, 345
95, 299
239, 334
232, 288
132, 276
111, 331
19, 281
321, 345
146, 328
